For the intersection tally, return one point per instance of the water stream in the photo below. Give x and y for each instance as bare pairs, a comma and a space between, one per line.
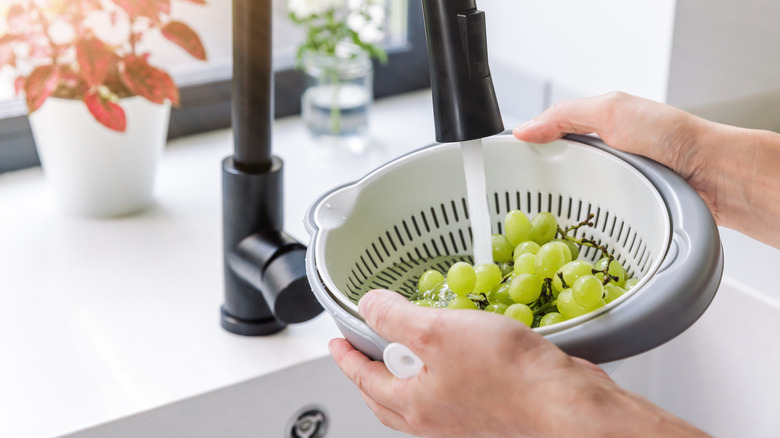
476, 195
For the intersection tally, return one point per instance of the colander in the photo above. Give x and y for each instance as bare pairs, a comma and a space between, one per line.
411, 214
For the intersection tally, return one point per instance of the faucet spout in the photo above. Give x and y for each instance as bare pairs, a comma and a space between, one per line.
464, 100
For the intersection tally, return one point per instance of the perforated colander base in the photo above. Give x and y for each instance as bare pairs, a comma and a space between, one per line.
438, 237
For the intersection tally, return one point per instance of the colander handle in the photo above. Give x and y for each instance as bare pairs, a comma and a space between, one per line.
400, 360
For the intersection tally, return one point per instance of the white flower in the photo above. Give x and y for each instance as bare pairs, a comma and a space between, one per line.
307, 8
370, 32
367, 18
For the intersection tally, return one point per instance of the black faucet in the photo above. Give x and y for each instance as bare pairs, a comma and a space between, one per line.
265, 275
464, 100
264, 269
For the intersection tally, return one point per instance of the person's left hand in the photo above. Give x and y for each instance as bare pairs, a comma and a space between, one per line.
484, 374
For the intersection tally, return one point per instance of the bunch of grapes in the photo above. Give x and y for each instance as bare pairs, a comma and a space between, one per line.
536, 279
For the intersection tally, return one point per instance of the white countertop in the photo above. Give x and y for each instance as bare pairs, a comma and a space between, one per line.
101, 319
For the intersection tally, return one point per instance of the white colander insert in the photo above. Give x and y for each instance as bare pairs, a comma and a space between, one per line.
411, 214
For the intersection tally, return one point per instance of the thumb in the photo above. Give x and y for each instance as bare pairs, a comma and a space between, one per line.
394, 318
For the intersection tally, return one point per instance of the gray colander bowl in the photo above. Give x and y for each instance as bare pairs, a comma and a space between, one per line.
382, 230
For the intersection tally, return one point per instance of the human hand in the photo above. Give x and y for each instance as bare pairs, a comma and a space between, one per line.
733, 169
629, 123
485, 375
632, 124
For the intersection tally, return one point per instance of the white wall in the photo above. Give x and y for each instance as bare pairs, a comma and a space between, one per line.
585, 47
715, 58
731, 53
725, 62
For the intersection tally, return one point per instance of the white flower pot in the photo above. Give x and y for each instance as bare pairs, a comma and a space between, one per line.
92, 170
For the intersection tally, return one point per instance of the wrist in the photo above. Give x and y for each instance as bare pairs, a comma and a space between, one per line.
600, 408
737, 179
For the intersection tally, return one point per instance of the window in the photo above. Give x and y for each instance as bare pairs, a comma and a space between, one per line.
205, 90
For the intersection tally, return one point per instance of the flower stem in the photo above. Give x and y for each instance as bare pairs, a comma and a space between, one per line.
335, 108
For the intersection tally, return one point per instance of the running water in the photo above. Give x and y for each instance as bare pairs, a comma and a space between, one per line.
476, 194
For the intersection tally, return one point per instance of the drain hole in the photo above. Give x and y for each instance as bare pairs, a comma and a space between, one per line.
311, 422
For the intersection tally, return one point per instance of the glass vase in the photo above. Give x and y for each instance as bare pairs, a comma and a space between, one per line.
338, 92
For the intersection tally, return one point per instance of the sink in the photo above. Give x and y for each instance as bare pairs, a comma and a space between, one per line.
263, 407
721, 374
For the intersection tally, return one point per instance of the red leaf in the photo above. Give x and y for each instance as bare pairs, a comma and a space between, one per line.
82, 6
40, 46
185, 37
142, 8
144, 80
40, 85
18, 19
73, 82
171, 90
7, 56
109, 114
94, 59
19, 84
165, 6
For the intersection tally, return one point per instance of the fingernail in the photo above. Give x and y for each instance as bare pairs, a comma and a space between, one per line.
332, 348
525, 126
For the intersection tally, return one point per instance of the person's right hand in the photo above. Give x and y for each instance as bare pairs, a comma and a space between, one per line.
735, 170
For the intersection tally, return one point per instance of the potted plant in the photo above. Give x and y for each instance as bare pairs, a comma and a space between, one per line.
98, 109
341, 39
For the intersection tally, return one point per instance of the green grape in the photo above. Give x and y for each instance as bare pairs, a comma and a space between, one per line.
525, 264
550, 258
544, 226
461, 302
488, 276
587, 291
506, 268
461, 278
429, 280
615, 269
575, 250
570, 308
520, 312
630, 283
424, 303
502, 249
612, 292
529, 246
500, 295
496, 308
525, 289
571, 272
438, 293
551, 318
517, 227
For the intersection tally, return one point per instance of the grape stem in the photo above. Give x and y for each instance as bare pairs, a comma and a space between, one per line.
590, 243
545, 308
546, 300
563, 282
